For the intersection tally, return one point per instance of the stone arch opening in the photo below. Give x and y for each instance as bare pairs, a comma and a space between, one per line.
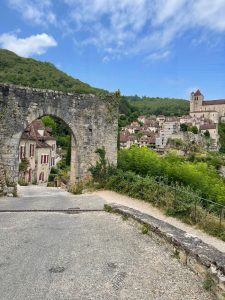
92, 120
39, 145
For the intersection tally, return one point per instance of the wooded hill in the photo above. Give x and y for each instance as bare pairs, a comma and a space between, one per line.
30, 72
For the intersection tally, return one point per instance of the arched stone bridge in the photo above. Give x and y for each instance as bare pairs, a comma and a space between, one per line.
92, 121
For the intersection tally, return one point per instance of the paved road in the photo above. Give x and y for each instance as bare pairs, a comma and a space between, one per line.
84, 256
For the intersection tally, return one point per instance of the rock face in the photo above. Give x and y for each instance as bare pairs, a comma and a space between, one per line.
91, 119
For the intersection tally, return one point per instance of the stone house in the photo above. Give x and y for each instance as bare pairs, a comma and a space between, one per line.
126, 141
213, 110
213, 132
170, 126
38, 148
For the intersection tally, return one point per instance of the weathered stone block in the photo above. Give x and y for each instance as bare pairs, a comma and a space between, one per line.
19, 106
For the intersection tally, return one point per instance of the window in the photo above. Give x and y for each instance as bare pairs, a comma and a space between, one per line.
22, 152
44, 159
52, 161
31, 150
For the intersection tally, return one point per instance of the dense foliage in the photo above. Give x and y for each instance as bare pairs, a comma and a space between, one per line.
131, 107
59, 130
159, 106
200, 176
175, 199
30, 72
62, 135
221, 130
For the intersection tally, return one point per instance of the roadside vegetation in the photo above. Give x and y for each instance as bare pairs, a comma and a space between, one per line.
200, 174
172, 184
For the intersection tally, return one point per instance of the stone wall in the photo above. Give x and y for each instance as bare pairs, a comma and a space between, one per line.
206, 261
91, 119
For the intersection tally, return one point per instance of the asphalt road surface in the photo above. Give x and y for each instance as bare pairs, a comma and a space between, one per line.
93, 255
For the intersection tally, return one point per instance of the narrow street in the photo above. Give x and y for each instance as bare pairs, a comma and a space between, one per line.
90, 255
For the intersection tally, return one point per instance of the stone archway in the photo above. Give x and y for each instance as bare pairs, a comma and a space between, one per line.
91, 119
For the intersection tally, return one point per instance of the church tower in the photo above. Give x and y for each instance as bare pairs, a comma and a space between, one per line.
196, 101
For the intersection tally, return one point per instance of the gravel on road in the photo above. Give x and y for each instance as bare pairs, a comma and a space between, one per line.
95, 255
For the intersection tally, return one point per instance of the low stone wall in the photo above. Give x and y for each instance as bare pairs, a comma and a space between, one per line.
203, 259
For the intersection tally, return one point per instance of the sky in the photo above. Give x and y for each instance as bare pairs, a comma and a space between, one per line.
163, 48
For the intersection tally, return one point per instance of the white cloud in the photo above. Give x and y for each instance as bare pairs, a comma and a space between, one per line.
34, 44
143, 26
35, 11
158, 56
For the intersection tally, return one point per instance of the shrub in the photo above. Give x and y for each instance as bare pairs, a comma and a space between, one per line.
177, 201
77, 188
22, 182
200, 176
102, 170
23, 165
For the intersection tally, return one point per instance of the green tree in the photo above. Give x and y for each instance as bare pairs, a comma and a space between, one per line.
194, 129
183, 127
221, 130
207, 134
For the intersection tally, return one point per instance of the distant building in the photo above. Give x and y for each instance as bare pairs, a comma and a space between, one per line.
38, 149
213, 110
213, 133
170, 126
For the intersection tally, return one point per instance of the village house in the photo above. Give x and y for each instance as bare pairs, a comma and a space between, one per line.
38, 149
155, 132
213, 134
211, 109
170, 126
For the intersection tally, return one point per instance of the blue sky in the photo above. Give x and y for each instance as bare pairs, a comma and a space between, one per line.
164, 48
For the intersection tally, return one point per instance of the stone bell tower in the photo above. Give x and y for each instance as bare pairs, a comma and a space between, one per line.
196, 101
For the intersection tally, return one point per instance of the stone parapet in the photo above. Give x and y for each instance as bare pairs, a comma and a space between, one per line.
206, 261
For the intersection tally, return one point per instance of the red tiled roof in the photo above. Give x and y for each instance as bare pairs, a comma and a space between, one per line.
148, 140
207, 126
197, 93
172, 119
31, 132
41, 144
214, 102
124, 138
27, 136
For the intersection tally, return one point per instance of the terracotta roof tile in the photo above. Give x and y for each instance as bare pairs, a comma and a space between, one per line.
198, 93
207, 126
214, 102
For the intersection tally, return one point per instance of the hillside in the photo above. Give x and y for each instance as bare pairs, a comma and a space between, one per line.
133, 106
159, 106
30, 72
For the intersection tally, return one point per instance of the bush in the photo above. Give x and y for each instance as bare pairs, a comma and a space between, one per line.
77, 188
102, 169
200, 176
51, 177
22, 182
177, 201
